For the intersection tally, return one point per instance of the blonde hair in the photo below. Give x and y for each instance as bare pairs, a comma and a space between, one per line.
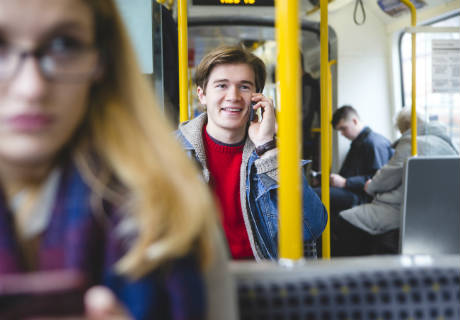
403, 119
135, 146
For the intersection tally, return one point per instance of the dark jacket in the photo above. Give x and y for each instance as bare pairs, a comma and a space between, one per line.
368, 152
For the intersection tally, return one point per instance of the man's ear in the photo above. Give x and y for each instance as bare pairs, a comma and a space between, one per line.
201, 95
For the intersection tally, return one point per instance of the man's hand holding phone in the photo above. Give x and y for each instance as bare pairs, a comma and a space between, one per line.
261, 132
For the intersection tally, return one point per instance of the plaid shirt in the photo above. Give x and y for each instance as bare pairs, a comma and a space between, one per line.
74, 239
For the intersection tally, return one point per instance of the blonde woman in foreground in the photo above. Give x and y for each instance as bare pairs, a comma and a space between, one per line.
91, 178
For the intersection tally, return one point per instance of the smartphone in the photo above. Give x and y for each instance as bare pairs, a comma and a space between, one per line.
42, 294
251, 111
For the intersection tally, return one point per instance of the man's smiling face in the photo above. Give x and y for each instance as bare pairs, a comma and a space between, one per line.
228, 98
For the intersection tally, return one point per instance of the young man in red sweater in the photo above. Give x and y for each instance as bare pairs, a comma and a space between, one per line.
238, 156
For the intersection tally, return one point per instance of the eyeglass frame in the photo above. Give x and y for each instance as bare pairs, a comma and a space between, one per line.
40, 55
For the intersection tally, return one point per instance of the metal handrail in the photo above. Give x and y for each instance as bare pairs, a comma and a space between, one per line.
237, 20
413, 14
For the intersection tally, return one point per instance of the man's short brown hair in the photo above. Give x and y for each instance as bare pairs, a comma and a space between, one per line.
230, 55
343, 113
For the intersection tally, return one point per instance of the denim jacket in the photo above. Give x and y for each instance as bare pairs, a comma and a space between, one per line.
258, 192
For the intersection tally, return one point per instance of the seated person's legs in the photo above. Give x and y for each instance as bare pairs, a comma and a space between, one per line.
349, 240
386, 243
341, 199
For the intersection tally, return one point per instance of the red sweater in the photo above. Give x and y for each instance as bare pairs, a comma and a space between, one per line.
224, 162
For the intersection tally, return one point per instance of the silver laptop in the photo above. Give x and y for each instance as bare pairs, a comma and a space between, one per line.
430, 221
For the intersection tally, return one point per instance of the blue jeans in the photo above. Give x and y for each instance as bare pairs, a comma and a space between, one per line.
341, 199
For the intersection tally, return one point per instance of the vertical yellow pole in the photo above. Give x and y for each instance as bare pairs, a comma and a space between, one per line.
290, 202
413, 14
325, 130
183, 59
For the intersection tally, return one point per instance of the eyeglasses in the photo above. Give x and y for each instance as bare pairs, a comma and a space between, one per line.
61, 63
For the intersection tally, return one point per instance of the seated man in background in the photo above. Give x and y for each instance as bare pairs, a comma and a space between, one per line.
238, 156
369, 151
356, 228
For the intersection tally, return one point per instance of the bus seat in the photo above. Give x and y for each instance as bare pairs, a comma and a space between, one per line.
430, 212
375, 287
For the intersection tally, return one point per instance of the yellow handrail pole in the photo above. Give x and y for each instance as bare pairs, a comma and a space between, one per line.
183, 59
325, 136
290, 202
413, 18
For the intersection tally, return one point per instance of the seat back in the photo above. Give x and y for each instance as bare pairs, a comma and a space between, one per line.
390, 287
430, 212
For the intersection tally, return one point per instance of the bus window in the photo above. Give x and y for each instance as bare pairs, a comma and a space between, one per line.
436, 106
